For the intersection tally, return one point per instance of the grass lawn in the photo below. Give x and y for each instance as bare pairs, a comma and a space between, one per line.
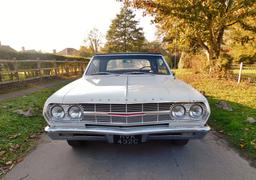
247, 72
233, 124
19, 134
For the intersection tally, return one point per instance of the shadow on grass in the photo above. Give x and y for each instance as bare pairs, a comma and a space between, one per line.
234, 126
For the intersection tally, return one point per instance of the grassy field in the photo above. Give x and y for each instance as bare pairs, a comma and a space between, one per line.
242, 99
19, 133
247, 72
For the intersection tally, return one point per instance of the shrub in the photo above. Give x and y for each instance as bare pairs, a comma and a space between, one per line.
168, 60
4, 54
249, 59
221, 67
196, 62
225, 61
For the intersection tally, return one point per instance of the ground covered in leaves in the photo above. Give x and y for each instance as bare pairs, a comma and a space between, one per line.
236, 123
21, 123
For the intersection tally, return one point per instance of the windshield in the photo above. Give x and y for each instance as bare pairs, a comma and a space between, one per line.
127, 64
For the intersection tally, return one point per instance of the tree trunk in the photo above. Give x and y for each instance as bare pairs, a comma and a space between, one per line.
219, 41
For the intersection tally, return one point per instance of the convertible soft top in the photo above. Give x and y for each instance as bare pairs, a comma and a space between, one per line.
128, 53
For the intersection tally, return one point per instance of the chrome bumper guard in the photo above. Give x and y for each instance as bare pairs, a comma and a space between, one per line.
106, 133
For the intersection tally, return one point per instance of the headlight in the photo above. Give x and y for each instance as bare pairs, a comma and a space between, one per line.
178, 111
196, 111
75, 112
57, 112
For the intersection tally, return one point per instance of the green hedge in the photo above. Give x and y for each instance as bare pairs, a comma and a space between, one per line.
249, 59
4, 54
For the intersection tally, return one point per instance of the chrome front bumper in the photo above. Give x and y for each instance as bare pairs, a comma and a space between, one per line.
106, 133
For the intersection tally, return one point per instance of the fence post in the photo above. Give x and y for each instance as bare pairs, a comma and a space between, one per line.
55, 68
39, 68
1, 69
81, 68
66, 67
240, 73
16, 69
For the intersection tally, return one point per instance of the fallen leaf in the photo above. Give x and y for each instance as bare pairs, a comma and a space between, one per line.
242, 146
253, 142
11, 150
2, 153
14, 136
27, 113
11, 167
8, 163
32, 136
15, 146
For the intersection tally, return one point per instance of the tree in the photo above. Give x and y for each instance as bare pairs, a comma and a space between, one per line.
94, 39
153, 47
156, 47
241, 44
198, 22
124, 34
85, 51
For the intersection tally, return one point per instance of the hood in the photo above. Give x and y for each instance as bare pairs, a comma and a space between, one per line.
126, 89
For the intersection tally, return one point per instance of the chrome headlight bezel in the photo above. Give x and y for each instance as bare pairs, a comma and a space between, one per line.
67, 117
187, 116
200, 108
60, 108
80, 112
182, 108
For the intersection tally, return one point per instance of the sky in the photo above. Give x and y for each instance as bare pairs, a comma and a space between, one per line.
56, 24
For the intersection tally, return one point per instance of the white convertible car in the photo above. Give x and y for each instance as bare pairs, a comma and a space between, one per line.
127, 99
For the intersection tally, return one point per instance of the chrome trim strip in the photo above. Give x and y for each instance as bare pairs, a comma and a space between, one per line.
126, 130
127, 113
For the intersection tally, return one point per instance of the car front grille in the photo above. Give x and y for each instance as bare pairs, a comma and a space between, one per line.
126, 114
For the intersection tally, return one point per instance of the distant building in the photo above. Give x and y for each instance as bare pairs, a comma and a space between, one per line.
6, 48
69, 52
28, 51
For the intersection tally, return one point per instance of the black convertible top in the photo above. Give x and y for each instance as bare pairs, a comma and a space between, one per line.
129, 53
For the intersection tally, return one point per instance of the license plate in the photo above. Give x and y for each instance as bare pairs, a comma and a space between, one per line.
137, 139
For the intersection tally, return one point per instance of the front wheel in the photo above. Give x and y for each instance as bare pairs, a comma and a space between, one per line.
75, 143
181, 142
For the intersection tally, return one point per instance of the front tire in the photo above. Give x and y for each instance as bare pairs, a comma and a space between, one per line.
74, 143
181, 142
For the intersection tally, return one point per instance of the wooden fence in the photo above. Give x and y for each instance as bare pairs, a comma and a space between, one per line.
24, 70
244, 72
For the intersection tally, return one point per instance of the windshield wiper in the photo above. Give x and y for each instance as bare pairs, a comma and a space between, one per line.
136, 72
143, 67
102, 73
